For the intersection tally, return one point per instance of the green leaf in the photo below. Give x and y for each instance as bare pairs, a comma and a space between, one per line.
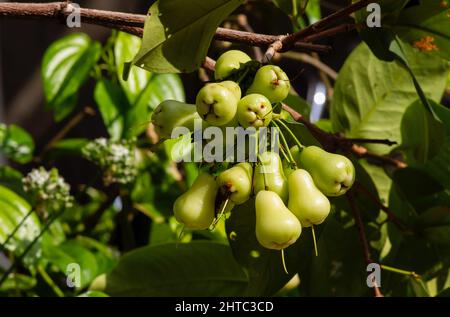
11, 178
16, 143
65, 67
161, 87
435, 225
298, 104
177, 36
371, 95
17, 282
72, 252
125, 49
188, 269
422, 135
429, 18
310, 7
339, 270
264, 266
112, 104
13, 209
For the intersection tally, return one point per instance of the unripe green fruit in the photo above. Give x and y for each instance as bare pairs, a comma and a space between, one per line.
237, 182
269, 175
272, 82
276, 227
306, 201
171, 114
333, 174
196, 207
217, 104
233, 87
228, 62
254, 111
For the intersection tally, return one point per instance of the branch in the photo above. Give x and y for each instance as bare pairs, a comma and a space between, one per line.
362, 236
133, 23
375, 141
289, 41
332, 142
305, 58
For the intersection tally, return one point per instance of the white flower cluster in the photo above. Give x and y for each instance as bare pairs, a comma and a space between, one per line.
116, 158
49, 190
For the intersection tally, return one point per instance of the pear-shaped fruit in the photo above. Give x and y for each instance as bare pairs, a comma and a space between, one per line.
255, 111
276, 227
306, 201
269, 175
171, 114
217, 104
333, 174
272, 82
233, 87
228, 62
237, 182
196, 207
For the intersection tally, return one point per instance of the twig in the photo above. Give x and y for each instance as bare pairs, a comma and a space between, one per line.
331, 32
362, 236
289, 41
273, 48
305, 58
375, 141
209, 64
87, 111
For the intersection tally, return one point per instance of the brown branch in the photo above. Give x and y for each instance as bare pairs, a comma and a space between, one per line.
362, 236
289, 41
133, 23
332, 142
305, 58
330, 32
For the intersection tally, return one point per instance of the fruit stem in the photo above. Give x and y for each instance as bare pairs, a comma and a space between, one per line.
283, 261
400, 271
216, 221
180, 236
297, 141
285, 144
285, 155
314, 240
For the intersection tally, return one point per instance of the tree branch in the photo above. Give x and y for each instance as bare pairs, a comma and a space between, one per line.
362, 236
289, 41
133, 23
332, 142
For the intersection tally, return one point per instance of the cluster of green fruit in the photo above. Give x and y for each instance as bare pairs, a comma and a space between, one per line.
287, 199
220, 104
289, 194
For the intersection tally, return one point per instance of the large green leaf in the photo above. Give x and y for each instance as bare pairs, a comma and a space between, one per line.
189, 269
177, 36
126, 47
428, 19
112, 104
13, 209
371, 95
264, 266
16, 143
65, 67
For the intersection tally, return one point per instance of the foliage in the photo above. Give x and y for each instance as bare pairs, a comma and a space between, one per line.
122, 232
